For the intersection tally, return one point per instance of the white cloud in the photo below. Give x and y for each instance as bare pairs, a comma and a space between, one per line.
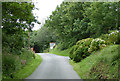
45, 9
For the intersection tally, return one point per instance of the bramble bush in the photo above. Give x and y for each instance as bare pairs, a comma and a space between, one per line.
80, 50
96, 44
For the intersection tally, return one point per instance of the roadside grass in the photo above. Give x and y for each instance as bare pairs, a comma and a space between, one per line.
0, 75
28, 69
59, 52
102, 64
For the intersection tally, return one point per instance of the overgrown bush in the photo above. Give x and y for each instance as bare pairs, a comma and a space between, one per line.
96, 44
80, 50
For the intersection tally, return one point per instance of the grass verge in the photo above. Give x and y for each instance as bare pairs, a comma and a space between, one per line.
102, 64
29, 68
59, 52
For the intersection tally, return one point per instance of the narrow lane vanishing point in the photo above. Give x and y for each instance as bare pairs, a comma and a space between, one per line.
54, 67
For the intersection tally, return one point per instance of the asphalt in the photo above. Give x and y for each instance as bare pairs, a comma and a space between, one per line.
54, 67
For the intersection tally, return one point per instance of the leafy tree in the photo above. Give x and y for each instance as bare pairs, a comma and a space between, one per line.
74, 21
102, 16
16, 18
62, 20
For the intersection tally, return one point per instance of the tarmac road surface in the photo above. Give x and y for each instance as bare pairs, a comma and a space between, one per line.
54, 67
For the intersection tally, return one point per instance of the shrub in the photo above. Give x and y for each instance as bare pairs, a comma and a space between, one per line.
86, 42
80, 53
114, 37
96, 44
105, 37
80, 50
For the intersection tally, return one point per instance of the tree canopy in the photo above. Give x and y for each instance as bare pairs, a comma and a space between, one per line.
75, 21
17, 17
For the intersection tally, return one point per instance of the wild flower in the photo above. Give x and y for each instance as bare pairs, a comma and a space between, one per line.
99, 45
88, 49
17, 58
80, 46
103, 45
117, 31
23, 62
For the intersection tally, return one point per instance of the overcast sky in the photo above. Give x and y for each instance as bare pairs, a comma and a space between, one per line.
45, 9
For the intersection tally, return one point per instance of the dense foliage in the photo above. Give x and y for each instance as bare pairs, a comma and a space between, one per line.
17, 21
71, 22
75, 21
85, 47
16, 18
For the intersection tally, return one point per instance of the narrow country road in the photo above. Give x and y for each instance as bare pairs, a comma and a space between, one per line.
54, 67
